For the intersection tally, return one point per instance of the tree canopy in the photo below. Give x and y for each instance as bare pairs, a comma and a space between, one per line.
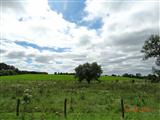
88, 72
151, 49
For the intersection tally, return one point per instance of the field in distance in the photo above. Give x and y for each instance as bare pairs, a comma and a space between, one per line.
55, 77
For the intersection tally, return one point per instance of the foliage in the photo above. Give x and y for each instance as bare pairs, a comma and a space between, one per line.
63, 73
7, 72
27, 96
4, 66
88, 72
151, 49
138, 75
11, 70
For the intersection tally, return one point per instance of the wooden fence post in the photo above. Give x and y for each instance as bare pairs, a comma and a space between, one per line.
65, 108
17, 108
122, 108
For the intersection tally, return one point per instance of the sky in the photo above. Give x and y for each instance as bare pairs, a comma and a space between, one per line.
58, 35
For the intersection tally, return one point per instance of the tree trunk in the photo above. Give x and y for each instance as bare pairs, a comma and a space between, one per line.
88, 81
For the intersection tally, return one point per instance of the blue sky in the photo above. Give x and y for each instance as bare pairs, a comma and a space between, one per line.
53, 49
73, 11
58, 35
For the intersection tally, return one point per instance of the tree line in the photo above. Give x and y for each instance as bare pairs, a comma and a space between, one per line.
137, 75
63, 73
11, 70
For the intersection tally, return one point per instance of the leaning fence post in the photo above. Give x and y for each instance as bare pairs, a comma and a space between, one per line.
65, 108
122, 108
17, 108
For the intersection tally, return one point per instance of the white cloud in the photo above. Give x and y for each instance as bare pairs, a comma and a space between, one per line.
115, 45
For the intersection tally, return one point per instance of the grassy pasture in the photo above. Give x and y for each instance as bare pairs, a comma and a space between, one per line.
54, 77
97, 101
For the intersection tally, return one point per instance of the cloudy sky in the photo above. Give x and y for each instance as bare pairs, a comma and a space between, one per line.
58, 35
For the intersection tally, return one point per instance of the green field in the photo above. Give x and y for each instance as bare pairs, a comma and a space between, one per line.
95, 101
54, 77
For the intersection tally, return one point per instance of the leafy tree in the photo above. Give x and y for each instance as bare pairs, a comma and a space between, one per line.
88, 72
151, 49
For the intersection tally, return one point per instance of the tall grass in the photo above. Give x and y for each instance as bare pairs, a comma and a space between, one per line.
97, 101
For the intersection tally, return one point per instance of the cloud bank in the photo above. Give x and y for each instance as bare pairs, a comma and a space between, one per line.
35, 37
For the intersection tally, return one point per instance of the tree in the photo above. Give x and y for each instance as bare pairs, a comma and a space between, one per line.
138, 75
151, 49
88, 72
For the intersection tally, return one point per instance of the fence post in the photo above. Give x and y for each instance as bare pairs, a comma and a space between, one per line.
17, 108
122, 108
65, 108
